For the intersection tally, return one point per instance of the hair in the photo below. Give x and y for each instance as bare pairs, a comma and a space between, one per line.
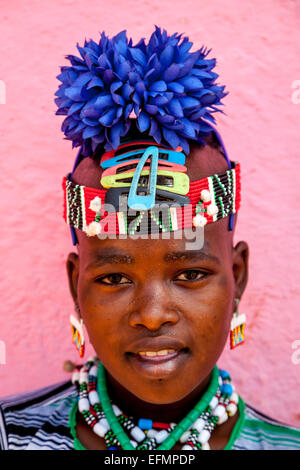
135, 134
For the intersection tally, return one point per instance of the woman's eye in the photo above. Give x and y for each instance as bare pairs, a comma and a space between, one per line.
191, 275
114, 279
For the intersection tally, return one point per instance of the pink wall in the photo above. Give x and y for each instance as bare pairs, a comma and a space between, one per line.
257, 46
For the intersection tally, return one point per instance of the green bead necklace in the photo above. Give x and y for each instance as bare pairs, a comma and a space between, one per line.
177, 432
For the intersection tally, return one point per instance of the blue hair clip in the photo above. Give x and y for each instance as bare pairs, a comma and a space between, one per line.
136, 201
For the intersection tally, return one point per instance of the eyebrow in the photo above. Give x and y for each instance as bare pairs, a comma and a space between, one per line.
110, 258
121, 258
190, 256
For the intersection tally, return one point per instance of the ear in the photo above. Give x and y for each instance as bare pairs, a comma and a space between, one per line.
73, 274
240, 257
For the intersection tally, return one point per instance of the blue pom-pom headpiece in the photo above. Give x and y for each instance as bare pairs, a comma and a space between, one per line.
171, 91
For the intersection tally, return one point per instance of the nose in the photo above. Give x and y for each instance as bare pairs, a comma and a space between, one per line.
153, 308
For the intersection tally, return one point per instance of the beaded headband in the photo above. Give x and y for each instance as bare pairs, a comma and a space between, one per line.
171, 95
95, 211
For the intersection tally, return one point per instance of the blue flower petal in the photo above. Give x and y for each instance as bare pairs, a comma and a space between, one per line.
143, 121
74, 108
123, 70
107, 118
160, 86
208, 99
171, 73
151, 109
175, 108
188, 102
166, 56
176, 87
74, 93
191, 83
95, 82
155, 131
115, 135
171, 137
138, 56
103, 101
89, 132
90, 122
165, 119
127, 90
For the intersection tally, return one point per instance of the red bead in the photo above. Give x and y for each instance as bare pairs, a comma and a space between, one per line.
161, 425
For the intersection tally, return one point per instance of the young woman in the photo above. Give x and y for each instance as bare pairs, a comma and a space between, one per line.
152, 204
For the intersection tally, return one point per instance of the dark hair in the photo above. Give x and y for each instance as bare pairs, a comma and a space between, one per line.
135, 134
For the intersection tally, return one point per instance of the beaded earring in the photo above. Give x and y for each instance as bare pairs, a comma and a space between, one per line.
237, 327
77, 332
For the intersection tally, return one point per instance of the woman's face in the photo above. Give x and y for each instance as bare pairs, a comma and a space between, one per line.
145, 296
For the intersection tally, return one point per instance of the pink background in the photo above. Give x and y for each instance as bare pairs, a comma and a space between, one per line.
257, 46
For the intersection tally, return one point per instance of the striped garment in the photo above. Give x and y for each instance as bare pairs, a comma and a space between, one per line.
39, 420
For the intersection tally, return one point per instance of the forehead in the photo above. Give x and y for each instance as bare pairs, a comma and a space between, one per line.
215, 247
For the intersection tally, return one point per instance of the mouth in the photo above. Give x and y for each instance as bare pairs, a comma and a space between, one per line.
160, 363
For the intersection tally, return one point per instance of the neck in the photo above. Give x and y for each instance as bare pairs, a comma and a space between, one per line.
131, 405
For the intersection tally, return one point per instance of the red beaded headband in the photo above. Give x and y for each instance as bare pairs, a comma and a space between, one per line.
210, 199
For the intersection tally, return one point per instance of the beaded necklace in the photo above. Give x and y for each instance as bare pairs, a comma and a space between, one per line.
120, 431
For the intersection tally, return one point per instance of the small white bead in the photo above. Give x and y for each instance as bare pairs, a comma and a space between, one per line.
161, 436
83, 377
83, 405
94, 397
204, 436
105, 423
137, 434
220, 380
205, 446
212, 209
187, 447
184, 437
94, 371
92, 358
100, 429
222, 419
75, 377
117, 410
219, 411
152, 433
94, 228
199, 424
234, 397
231, 409
205, 195
199, 220
213, 403
135, 444
95, 204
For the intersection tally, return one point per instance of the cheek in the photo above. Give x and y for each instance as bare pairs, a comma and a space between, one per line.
102, 316
210, 314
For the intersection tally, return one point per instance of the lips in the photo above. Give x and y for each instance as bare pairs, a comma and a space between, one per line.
157, 357
159, 343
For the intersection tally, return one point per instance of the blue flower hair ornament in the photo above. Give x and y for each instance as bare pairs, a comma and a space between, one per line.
171, 91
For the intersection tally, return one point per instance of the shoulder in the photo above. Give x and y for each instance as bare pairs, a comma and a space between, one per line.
38, 419
258, 431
